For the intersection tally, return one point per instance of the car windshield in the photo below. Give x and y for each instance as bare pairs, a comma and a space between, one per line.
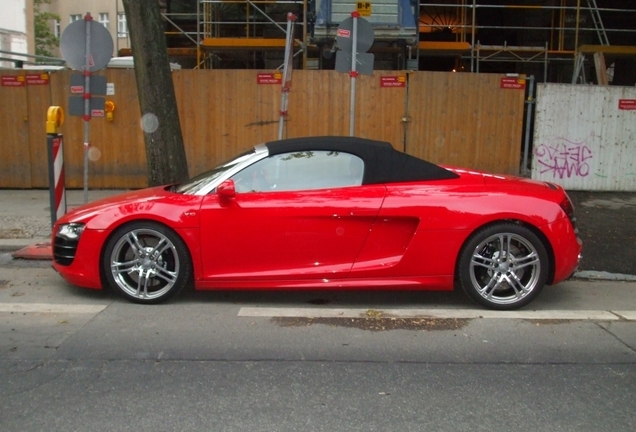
195, 184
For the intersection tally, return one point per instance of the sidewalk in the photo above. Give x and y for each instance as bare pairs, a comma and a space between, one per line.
25, 215
606, 222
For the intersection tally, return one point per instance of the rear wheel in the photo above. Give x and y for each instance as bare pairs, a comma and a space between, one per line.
503, 266
146, 262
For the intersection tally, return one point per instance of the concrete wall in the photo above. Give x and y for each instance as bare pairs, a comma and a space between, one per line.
585, 137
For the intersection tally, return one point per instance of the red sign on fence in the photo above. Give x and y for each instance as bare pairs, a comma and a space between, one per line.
37, 79
393, 81
513, 83
269, 78
12, 81
627, 104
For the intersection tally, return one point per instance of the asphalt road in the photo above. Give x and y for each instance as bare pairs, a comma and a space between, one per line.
73, 359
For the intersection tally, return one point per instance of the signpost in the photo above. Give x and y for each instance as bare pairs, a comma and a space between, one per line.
355, 38
287, 72
86, 46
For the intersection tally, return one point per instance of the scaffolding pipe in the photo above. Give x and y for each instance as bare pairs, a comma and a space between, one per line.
36, 57
576, 32
472, 40
529, 107
493, 6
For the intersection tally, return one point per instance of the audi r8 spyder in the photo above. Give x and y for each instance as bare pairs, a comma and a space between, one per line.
325, 213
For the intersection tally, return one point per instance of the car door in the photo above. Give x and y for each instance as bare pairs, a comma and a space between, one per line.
295, 216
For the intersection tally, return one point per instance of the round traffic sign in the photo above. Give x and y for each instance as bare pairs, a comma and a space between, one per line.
344, 35
73, 45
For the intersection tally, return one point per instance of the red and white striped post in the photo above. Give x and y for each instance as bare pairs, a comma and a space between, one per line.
55, 149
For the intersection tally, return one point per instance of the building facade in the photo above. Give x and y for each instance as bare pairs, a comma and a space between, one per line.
109, 13
16, 31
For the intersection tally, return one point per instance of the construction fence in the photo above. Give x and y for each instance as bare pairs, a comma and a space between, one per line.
458, 119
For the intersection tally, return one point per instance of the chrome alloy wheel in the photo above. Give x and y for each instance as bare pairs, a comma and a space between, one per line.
505, 268
144, 263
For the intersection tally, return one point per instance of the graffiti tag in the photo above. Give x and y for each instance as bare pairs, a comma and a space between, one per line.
564, 158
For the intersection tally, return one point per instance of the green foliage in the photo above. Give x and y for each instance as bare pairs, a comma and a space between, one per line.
45, 40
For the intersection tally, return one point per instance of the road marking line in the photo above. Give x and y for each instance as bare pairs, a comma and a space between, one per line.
431, 313
628, 315
51, 308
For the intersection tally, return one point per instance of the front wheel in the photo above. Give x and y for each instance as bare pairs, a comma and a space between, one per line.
146, 262
503, 266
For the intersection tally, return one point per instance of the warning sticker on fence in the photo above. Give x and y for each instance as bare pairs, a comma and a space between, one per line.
12, 81
393, 81
269, 78
37, 79
627, 104
513, 83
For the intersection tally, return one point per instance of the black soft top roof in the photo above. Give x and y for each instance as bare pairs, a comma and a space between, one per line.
383, 164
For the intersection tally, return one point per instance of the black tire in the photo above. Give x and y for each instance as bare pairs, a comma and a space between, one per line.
146, 262
503, 266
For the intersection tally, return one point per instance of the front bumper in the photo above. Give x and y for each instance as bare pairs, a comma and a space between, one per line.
79, 262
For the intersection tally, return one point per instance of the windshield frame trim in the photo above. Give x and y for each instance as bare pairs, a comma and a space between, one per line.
260, 152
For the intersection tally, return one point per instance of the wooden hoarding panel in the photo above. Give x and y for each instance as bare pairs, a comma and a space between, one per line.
15, 163
38, 102
224, 112
465, 120
456, 119
319, 104
116, 152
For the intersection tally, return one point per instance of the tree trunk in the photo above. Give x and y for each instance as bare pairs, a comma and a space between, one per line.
160, 118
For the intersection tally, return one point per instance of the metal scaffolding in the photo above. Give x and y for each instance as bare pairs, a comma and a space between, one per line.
219, 29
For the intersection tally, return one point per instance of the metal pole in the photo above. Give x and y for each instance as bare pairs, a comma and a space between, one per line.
198, 66
117, 26
526, 144
87, 101
353, 74
287, 71
545, 65
304, 34
576, 31
472, 40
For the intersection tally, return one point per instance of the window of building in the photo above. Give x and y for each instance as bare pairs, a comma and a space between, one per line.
103, 19
76, 17
56, 28
122, 27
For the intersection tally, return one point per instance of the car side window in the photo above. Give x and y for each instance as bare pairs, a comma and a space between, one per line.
304, 170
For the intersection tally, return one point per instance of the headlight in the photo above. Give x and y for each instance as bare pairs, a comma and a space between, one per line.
71, 231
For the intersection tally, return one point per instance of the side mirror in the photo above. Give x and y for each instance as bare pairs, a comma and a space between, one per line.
226, 189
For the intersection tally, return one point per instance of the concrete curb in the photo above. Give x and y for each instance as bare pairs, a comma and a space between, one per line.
605, 276
12, 245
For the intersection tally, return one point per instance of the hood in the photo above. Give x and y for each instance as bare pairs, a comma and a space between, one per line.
89, 210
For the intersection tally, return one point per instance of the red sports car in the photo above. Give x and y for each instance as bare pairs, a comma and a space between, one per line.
327, 213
